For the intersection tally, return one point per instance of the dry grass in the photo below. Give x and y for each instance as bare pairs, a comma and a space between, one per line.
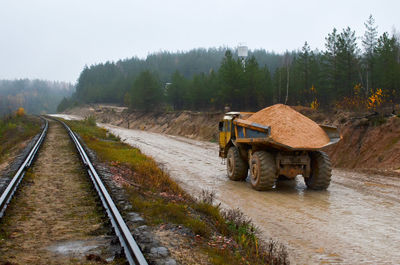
16, 129
226, 237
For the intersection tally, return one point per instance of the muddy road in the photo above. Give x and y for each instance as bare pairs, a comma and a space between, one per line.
356, 221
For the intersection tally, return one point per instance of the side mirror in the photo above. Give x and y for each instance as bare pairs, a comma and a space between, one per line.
221, 126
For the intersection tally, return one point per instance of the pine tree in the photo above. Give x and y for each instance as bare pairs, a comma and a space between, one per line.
369, 42
146, 93
330, 61
347, 61
231, 77
177, 90
387, 63
306, 72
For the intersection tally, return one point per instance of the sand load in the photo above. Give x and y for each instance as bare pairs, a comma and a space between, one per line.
290, 127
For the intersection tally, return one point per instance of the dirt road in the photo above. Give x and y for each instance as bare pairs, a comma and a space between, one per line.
356, 221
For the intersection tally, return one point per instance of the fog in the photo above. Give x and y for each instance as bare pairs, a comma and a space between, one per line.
54, 40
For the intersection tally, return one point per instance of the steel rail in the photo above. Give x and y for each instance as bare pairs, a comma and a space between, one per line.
131, 249
16, 180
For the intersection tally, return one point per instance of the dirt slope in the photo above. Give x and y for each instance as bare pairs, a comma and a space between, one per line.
194, 125
368, 143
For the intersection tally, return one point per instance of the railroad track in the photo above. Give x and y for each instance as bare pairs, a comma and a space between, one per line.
131, 250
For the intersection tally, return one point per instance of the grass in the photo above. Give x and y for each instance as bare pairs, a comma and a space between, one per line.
14, 130
158, 211
227, 237
109, 148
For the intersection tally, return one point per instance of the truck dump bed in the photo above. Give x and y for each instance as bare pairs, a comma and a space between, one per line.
254, 133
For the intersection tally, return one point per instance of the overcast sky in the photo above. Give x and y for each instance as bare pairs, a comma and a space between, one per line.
54, 39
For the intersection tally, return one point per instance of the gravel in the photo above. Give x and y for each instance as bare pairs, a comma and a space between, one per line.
290, 127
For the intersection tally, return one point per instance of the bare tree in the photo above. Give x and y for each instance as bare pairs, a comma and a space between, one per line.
287, 61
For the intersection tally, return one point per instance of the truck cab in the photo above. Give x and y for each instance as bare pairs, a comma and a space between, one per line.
226, 132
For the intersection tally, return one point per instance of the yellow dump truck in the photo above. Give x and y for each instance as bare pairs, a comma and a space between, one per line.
248, 145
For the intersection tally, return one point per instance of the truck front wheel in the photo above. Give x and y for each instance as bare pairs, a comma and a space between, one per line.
263, 170
321, 171
236, 167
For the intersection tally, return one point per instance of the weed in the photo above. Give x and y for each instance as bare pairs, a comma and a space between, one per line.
223, 256
90, 120
158, 211
207, 197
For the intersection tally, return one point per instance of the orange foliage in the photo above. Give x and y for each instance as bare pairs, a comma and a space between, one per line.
20, 112
376, 99
359, 102
314, 103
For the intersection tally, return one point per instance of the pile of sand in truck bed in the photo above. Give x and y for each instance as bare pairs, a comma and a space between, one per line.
290, 127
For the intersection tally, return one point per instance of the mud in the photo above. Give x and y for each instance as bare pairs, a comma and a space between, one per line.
354, 222
54, 219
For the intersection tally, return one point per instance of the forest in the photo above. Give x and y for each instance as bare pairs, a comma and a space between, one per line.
35, 96
355, 72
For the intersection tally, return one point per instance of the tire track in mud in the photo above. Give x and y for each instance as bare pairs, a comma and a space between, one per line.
54, 218
354, 222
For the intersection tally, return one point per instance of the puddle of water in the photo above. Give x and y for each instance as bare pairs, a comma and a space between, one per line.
79, 247
72, 248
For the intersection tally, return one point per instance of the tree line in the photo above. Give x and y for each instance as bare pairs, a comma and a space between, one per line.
35, 96
343, 73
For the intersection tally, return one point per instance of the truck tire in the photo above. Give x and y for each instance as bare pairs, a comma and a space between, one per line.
321, 171
263, 171
236, 167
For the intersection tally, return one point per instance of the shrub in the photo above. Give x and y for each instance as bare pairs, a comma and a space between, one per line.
20, 112
90, 120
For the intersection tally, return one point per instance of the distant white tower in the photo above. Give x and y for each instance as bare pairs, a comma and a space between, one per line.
243, 52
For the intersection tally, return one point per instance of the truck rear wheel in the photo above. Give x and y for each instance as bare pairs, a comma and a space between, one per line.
321, 171
236, 167
263, 170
